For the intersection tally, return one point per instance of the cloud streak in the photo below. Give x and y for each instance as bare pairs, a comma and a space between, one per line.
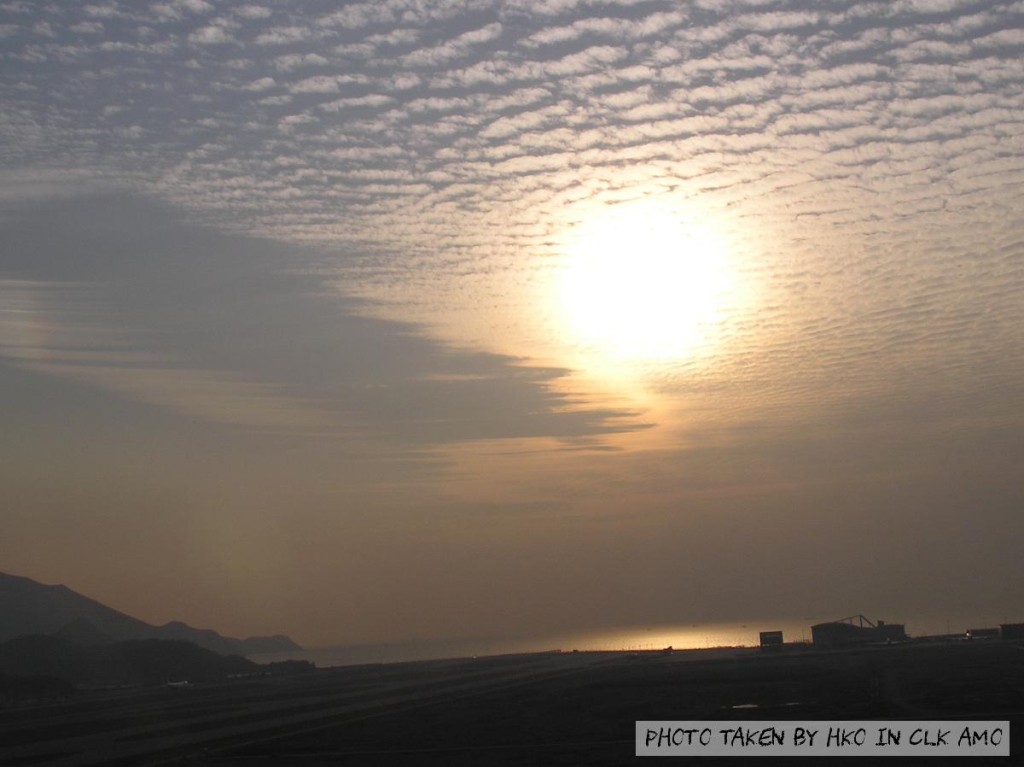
185, 319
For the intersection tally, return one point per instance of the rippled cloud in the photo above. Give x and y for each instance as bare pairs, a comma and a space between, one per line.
406, 135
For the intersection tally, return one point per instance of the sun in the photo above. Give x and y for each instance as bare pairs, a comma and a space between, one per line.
642, 281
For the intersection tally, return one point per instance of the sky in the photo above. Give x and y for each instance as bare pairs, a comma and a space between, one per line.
375, 322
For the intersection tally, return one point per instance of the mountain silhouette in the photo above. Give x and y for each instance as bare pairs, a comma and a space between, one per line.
132, 662
28, 607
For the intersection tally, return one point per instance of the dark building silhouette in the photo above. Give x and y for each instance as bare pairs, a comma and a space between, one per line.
1012, 632
856, 630
771, 639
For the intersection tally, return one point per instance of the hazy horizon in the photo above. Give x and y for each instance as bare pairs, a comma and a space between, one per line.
368, 322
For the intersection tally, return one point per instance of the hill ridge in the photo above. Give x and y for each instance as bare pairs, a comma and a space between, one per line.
30, 607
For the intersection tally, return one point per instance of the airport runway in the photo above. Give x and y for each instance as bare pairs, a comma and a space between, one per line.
542, 709
158, 725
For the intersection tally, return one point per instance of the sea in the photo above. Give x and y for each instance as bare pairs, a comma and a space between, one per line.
623, 638
620, 638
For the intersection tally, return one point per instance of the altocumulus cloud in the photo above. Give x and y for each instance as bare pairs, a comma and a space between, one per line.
709, 73
428, 144
335, 168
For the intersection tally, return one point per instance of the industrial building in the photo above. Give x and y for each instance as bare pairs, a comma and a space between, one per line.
1011, 632
770, 639
856, 630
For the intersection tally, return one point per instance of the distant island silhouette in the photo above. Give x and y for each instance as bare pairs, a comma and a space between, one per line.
29, 607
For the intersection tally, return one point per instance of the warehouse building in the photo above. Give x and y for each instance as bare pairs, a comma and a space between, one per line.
856, 630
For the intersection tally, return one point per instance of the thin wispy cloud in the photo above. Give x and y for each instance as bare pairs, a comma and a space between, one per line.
196, 322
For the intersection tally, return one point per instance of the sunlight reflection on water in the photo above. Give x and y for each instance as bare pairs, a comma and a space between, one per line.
633, 639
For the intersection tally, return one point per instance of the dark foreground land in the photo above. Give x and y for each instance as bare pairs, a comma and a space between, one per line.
544, 709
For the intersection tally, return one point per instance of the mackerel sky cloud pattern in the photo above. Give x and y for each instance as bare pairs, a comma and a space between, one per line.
428, 143
340, 222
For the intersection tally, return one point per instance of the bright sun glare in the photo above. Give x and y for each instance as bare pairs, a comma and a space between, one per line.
643, 282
